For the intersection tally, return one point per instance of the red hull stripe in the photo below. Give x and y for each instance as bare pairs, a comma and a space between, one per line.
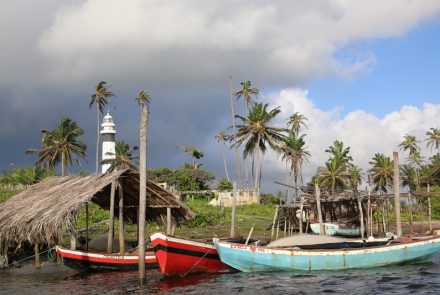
106, 258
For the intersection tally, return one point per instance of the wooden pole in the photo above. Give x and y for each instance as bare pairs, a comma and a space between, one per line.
429, 209
318, 206
168, 221
396, 187
273, 223
410, 215
301, 209
249, 235
37, 256
278, 227
87, 227
73, 240
234, 200
121, 220
369, 216
361, 217
111, 222
142, 189
237, 155
285, 226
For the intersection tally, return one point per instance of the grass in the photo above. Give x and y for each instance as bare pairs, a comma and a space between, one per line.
7, 193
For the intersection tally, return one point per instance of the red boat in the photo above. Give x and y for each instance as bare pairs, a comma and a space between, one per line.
87, 261
177, 256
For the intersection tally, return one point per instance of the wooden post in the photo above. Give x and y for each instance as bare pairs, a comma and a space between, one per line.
273, 223
87, 226
168, 221
111, 222
396, 187
301, 208
278, 227
318, 206
410, 215
285, 226
73, 240
37, 256
249, 235
3, 254
142, 186
369, 216
384, 225
234, 200
361, 217
429, 209
121, 220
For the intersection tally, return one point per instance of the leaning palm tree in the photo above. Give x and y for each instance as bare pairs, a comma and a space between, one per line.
409, 143
143, 100
124, 158
255, 132
433, 140
294, 151
100, 98
334, 175
296, 121
222, 138
45, 153
381, 172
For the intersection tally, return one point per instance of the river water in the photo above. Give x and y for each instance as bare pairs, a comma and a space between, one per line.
418, 278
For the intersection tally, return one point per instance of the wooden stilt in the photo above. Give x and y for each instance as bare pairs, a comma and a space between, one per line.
396, 187
369, 219
285, 226
249, 235
121, 220
111, 221
410, 207
301, 210
361, 217
278, 227
37, 256
429, 209
318, 205
273, 223
87, 226
169, 221
73, 241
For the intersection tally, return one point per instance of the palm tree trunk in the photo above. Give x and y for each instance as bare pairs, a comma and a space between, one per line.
97, 139
224, 160
62, 164
142, 190
237, 156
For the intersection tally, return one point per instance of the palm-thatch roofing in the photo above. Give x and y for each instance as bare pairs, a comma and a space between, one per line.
47, 210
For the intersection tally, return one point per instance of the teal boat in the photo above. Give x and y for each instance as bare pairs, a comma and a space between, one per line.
249, 258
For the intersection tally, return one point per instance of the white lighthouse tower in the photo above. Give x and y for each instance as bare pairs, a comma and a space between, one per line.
108, 133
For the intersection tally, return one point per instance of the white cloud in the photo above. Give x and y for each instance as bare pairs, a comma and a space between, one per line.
363, 132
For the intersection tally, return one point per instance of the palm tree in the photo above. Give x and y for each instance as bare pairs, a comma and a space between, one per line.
222, 138
193, 152
255, 132
355, 176
45, 155
124, 158
337, 151
433, 139
61, 145
247, 92
296, 121
100, 98
334, 175
143, 100
409, 143
409, 177
381, 172
294, 151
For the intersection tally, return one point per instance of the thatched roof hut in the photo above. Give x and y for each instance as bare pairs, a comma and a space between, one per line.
48, 210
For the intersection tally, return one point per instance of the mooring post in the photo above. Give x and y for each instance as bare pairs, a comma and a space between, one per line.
121, 220
168, 221
396, 187
318, 205
111, 223
234, 200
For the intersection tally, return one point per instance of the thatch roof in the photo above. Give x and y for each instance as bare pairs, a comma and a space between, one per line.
47, 210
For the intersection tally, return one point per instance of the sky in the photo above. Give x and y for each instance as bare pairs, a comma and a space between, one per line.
364, 72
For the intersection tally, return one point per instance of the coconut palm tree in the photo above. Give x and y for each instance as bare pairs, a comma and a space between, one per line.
247, 93
255, 132
433, 140
45, 155
409, 176
337, 151
409, 143
143, 99
334, 175
193, 152
124, 158
100, 98
296, 121
381, 172
355, 178
222, 138
294, 151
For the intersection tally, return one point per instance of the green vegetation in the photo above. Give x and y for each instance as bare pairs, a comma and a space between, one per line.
7, 193
185, 178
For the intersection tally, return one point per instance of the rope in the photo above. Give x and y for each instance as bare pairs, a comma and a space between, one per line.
26, 258
195, 264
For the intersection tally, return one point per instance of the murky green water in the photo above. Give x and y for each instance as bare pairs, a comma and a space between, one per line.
420, 278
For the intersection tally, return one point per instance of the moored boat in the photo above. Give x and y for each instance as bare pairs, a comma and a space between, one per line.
249, 258
329, 228
89, 261
179, 257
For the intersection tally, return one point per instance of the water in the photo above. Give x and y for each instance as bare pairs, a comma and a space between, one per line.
420, 278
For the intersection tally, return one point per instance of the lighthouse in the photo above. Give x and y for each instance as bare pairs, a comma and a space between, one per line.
108, 133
